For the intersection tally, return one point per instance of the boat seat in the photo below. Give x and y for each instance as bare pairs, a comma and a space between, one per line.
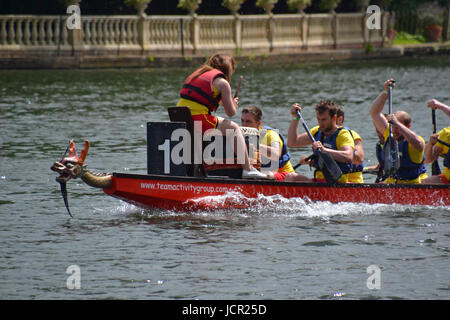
232, 170
183, 114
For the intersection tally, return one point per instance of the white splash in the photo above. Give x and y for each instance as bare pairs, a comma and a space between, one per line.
298, 207
275, 205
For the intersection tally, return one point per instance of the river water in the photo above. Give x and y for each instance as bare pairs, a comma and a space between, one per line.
278, 249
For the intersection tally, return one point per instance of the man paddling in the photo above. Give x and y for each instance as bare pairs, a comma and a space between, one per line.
438, 145
273, 145
355, 175
410, 145
329, 138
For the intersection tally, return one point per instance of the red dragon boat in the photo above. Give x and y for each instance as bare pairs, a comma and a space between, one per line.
187, 191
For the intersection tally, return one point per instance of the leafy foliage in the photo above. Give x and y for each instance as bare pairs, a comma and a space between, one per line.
232, 3
132, 3
294, 4
328, 4
265, 3
407, 38
188, 4
430, 14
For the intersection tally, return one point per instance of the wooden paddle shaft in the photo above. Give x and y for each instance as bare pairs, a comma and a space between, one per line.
390, 108
435, 169
238, 87
305, 126
433, 116
329, 167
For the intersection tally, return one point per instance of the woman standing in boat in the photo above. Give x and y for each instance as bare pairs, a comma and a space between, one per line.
204, 90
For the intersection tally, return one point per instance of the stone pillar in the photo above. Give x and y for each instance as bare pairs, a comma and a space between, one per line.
237, 30
74, 32
304, 30
195, 32
334, 28
365, 30
75, 41
143, 32
270, 31
385, 25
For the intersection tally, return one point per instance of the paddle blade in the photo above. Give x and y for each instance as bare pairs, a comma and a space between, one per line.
329, 167
435, 169
391, 157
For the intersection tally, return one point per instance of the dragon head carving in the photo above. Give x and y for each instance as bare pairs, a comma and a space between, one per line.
71, 166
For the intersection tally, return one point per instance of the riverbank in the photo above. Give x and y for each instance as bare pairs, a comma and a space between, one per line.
167, 60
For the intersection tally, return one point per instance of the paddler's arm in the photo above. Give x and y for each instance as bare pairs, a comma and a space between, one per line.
376, 110
358, 156
230, 104
410, 136
432, 151
345, 154
370, 168
434, 104
294, 139
358, 153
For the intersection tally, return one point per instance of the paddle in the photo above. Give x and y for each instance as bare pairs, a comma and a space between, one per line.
435, 166
375, 172
371, 171
238, 87
325, 163
306, 160
390, 148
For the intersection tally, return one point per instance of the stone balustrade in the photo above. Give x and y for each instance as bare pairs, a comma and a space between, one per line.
32, 31
169, 33
186, 35
107, 31
255, 32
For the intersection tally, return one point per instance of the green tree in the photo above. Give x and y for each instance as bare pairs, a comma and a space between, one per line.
232, 5
267, 5
190, 5
329, 4
298, 5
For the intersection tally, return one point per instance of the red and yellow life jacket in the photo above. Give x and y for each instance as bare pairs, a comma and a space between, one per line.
200, 89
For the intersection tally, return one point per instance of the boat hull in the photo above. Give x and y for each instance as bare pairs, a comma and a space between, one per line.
189, 193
